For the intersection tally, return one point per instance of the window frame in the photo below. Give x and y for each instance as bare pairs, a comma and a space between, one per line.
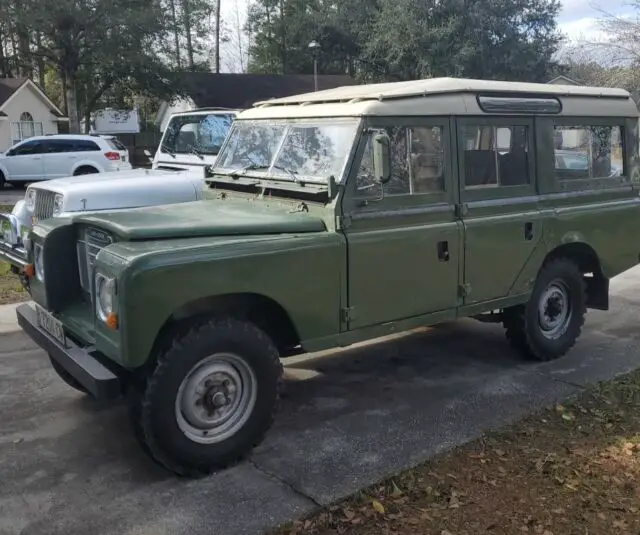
581, 184
38, 142
499, 191
352, 202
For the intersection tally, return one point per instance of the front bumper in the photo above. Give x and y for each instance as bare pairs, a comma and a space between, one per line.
12, 249
80, 363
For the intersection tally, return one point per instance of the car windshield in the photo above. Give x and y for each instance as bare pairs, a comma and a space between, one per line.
199, 134
313, 150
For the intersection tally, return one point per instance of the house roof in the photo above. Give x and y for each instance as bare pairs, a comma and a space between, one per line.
562, 79
240, 91
10, 86
434, 86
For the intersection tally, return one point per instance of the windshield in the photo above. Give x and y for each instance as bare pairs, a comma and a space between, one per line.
200, 134
314, 150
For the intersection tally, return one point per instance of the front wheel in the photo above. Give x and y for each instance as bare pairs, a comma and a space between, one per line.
210, 399
551, 321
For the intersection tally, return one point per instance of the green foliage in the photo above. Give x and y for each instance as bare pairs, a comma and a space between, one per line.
407, 39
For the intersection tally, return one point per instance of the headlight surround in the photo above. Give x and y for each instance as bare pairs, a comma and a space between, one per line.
38, 261
31, 198
105, 296
58, 203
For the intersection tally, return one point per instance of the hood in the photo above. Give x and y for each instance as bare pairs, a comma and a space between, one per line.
202, 218
124, 189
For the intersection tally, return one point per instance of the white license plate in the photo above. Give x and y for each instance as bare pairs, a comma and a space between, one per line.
51, 325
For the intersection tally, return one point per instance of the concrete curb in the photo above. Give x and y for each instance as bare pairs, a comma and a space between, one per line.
629, 280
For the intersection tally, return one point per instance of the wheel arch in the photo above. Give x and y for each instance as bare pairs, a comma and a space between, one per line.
85, 165
264, 312
588, 262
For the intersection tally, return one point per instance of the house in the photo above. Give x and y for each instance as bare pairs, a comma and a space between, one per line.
240, 91
563, 80
25, 111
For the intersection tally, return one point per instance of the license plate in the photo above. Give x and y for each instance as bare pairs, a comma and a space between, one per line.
51, 325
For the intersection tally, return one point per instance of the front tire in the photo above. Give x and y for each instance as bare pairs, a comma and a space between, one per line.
548, 326
67, 377
210, 399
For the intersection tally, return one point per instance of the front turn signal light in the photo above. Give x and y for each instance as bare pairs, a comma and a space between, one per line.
112, 321
30, 271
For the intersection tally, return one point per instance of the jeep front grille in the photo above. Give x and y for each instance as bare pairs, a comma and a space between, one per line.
91, 242
43, 208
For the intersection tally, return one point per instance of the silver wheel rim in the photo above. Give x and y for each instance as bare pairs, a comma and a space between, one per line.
554, 310
216, 398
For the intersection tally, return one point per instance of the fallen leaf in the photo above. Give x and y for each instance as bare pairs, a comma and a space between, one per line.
567, 416
378, 506
396, 492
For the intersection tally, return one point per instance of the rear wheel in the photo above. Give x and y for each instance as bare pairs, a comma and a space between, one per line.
67, 377
551, 321
86, 170
210, 399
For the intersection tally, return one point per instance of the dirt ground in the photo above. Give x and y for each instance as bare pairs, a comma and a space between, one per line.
11, 290
572, 469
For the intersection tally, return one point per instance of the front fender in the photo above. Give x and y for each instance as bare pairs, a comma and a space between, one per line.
302, 273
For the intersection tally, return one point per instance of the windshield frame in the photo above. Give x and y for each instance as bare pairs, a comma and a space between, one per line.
195, 114
279, 175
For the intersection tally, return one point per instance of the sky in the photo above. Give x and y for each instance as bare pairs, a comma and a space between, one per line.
579, 18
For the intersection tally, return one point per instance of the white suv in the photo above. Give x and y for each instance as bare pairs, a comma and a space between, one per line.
62, 155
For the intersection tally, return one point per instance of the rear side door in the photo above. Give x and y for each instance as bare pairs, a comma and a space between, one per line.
24, 162
499, 203
403, 238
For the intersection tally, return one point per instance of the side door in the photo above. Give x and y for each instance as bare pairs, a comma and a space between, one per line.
500, 206
56, 158
24, 162
403, 237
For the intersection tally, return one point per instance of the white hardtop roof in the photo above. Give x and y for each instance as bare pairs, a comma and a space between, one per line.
434, 86
207, 111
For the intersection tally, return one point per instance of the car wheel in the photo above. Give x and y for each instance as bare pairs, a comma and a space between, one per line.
210, 399
85, 171
3, 181
551, 321
67, 377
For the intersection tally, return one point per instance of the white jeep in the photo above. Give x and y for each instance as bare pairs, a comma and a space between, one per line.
190, 144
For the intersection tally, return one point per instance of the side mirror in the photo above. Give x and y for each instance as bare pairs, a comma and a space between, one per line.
382, 158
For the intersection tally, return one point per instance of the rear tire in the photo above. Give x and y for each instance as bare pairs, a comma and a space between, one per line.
548, 326
85, 171
67, 377
210, 399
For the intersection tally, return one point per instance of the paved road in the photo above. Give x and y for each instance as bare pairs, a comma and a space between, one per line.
349, 418
10, 195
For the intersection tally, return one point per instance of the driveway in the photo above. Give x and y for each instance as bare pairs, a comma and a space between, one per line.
349, 418
11, 195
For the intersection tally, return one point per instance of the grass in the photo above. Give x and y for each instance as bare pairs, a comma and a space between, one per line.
11, 291
570, 469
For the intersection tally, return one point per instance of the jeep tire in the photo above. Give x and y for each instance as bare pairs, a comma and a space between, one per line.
210, 398
548, 325
67, 377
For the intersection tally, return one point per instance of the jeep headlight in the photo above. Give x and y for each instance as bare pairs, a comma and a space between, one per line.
58, 203
38, 261
31, 198
105, 296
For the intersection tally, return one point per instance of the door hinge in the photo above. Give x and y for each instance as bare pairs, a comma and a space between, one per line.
461, 209
344, 221
348, 314
464, 289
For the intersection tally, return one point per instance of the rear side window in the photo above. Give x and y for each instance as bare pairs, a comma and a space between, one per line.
495, 156
52, 146
585, 152
84, 145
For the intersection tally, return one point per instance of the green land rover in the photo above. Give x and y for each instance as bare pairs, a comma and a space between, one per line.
332, 218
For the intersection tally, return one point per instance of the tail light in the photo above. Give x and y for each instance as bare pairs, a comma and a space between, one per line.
113, 156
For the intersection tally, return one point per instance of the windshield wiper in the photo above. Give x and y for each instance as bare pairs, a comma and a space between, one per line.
258, 167
195, 151
166, 150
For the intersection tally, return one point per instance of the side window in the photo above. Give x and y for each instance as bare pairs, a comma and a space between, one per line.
495, 156
83, 145
583, 152
417, 163
28, 148
54, 146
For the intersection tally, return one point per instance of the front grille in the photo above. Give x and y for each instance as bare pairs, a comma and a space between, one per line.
91, 242
43, 208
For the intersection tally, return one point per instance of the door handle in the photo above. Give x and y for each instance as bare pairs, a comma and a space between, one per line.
528, 231
443, 251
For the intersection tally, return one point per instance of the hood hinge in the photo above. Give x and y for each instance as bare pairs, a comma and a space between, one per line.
348, 314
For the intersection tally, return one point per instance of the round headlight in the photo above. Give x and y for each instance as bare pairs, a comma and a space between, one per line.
105, 290
31, 198
58, 202
38, 261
